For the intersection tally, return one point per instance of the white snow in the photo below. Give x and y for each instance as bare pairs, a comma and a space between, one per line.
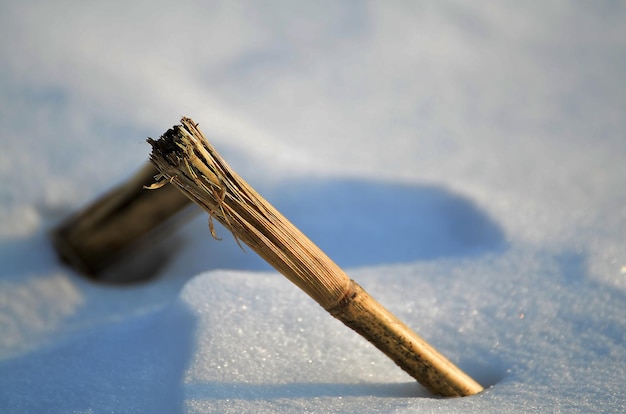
463, 163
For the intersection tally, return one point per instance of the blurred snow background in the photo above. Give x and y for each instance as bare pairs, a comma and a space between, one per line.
481, 145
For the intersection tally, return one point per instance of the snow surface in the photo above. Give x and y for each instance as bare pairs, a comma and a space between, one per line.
464, 163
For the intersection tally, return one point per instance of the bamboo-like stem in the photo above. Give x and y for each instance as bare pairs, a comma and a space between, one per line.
186, 159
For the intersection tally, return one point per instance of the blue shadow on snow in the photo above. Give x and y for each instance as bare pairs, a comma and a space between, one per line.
360, 223
133, 366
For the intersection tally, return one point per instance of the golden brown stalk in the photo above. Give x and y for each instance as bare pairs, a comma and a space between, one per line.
94, 239
186, 159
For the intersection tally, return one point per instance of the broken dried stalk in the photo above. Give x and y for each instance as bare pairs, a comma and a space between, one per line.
185, 158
